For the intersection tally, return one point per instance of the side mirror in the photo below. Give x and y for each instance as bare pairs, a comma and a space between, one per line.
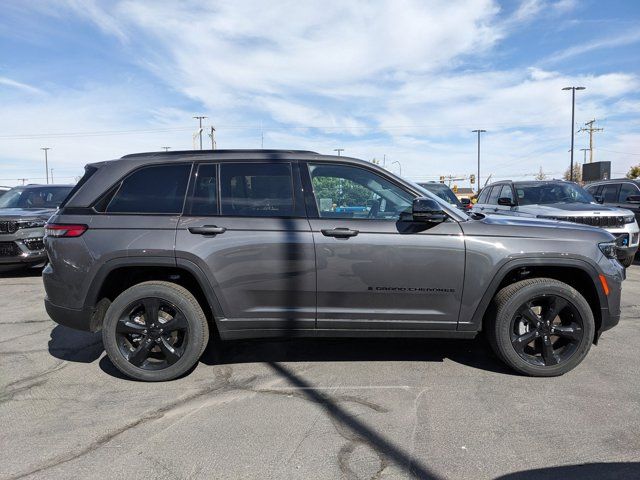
633, 199
427, 210
598, 198
465, 202
505, 202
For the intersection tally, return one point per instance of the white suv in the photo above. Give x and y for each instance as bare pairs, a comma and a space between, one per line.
565, 201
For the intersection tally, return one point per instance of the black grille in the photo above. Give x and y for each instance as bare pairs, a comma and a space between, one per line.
9, 249
596, 221
8, 226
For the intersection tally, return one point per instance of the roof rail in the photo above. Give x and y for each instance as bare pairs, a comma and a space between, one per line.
209, 152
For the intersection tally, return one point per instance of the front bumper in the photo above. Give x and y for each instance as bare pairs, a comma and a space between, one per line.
26, 251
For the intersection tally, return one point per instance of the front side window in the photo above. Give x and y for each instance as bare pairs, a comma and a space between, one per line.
626, 190
506, 192
610, 193
205, 194
155, 189
343, 191
494, 195
256, 190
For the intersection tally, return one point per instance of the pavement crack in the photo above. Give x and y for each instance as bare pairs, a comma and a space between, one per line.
10, 390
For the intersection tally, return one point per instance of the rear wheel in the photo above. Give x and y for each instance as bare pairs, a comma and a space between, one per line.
542, 327
155, 331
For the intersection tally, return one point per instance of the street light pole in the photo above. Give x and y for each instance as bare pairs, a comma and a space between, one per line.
200, 118
166, 149
339, 150
573, 120
399, 166
478, 176
46, 162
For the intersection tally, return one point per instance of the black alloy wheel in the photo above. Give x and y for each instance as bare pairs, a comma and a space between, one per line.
546, 330
152, 333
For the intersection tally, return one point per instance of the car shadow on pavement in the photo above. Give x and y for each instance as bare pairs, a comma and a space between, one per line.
473, 353
600, 471
75, 345
21, 272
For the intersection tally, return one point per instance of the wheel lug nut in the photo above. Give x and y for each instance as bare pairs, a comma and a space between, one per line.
144, 331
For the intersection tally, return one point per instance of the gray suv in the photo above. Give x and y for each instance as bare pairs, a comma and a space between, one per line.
159, 250
23, 213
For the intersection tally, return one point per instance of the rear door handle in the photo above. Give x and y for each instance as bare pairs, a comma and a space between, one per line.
340, 232
207, 230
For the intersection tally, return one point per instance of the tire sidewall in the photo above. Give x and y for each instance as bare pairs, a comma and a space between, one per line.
196, 331
508, 310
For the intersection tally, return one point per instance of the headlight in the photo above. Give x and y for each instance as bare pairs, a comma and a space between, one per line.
608, 249
629, 219
30, 223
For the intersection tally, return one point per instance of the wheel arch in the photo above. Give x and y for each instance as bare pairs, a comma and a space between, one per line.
575, 272
118, 274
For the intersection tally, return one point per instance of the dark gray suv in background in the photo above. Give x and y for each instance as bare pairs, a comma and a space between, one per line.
160, 249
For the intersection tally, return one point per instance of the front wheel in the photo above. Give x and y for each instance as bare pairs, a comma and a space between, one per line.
155, 331
542, 327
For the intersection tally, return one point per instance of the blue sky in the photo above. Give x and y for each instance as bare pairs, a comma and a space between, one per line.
406, 80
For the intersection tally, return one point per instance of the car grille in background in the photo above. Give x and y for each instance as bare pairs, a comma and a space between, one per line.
622, 239
33, 243
9, 249
596, 221
8, 226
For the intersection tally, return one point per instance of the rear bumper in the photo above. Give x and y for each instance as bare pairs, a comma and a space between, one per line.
83, 319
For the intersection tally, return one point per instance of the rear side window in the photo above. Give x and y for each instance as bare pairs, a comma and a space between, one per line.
256, 189
205, 193
626, 190
495, 193
89, 170
484, 195
155, 189
610, 193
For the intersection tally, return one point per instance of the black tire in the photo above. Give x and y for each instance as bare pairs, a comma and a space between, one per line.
627, 261
173, 336
571, 331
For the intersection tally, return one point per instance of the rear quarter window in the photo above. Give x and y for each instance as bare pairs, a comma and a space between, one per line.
153, 189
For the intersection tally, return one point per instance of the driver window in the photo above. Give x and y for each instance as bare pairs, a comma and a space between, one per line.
343, 191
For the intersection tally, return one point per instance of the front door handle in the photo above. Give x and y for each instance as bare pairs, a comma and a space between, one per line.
340, 232
207, 230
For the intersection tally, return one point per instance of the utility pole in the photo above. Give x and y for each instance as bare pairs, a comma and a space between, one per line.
166, 149
573, 120
200, 118
590, 130
212, 136
584, 150
339, 150
478, 177
46, 162
52, 176
24, 180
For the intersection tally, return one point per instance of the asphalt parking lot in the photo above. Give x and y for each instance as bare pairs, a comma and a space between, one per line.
312, 409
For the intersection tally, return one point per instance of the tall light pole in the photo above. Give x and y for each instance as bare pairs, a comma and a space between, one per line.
339, 150
399, 165
166, 149
478, 176
200, 118
573, 120
46, 162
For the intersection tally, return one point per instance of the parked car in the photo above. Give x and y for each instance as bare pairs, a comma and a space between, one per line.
564, 201
23, 214
444, 192
158, 250
4, 190
620, 193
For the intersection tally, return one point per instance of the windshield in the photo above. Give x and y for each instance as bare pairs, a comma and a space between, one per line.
443, 192
547, 193
39, 197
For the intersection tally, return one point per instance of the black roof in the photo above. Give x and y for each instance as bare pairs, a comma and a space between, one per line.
617, 180
217, 152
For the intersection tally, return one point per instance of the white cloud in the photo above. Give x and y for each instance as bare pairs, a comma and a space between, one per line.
21, 86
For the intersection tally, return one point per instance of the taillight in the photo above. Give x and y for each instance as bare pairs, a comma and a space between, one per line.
63, 230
